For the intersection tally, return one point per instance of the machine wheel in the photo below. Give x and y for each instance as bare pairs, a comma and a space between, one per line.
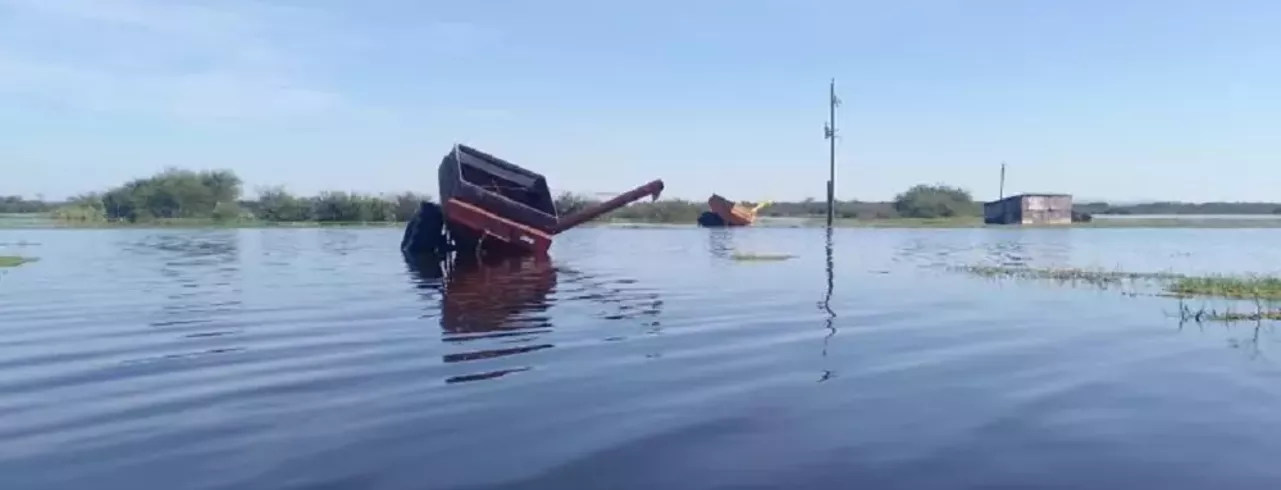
425, 233
710, 220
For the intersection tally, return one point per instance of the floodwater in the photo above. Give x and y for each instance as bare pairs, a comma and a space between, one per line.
633, 359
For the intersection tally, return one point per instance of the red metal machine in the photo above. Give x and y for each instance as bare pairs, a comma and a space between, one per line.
493, 205
728, 213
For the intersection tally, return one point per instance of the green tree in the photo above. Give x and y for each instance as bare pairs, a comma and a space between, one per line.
173, 193
19, 205
345, 207
407, 205
935, 201
661, 211
568, 203
275, 204
224, 185
227, 211
85, 208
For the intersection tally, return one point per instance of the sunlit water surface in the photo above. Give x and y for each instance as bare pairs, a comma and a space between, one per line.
634, 358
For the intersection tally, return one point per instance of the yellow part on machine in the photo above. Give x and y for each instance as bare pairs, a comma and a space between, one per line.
761, 205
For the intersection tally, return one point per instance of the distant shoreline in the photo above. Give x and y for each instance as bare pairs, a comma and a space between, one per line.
27, 222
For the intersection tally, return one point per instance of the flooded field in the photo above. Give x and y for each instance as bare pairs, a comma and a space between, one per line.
8, 221
643, 358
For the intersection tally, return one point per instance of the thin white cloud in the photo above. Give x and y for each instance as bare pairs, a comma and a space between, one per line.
203, 94
177, 58
169, 17
205, 59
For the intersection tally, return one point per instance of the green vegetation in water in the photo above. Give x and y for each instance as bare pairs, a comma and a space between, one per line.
14, 261
757, 257
1180, 285
1248, 287
1263, 291
1074, 275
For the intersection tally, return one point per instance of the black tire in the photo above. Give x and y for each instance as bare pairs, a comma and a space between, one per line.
710, 220
425, 233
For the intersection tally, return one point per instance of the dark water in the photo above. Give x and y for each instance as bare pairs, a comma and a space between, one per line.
647, 359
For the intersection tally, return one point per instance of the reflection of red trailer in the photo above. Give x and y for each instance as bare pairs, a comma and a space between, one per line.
491, 297
495, 205
498, 298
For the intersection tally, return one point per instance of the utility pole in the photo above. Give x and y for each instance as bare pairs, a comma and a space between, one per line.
1002, 191
829, 132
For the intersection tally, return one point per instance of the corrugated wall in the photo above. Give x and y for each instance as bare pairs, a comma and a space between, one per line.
1047, 210
1004, 212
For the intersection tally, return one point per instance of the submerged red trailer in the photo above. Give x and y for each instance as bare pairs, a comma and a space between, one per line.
492, 205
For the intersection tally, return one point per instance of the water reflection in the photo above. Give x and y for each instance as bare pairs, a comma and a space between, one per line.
338, 241
494, 298
826, 304
215, 246
199, 288
280, 248
925, 251
720, 242
331, 387
503, 296
1008, 253
499, 307
1233, 317
1247, 340
991, 247
1028, 248
623, 299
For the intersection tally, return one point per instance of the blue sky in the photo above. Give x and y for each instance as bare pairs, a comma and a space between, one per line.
1125, 100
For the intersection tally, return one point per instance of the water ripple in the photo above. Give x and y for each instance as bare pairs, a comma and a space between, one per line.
318, 358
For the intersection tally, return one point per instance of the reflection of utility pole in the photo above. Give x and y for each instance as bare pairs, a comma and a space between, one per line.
829, 133
826, 305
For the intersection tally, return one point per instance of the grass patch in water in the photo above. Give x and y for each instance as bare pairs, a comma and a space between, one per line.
1261, 295
754, 257
1100, 277
14, 261
1180, 285
1248, 287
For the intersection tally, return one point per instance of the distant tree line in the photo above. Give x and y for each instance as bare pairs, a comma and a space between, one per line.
1207, 208
936, 201
922, 201
19, 205
176, 194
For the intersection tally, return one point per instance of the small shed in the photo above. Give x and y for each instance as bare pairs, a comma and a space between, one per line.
1029, 209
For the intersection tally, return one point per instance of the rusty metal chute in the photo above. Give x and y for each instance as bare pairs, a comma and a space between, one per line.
653, 189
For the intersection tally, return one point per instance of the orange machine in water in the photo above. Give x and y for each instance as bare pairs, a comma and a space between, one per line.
727, 213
